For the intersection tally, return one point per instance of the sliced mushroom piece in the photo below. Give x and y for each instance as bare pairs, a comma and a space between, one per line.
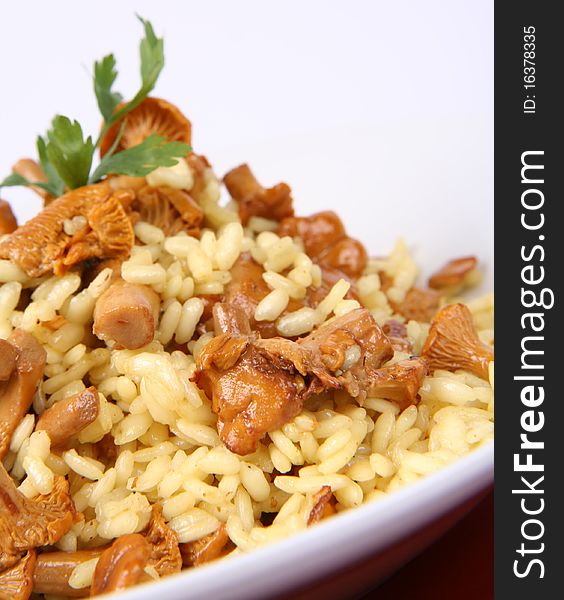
17, 581
16, 393
208, 548
70, 416
8, 222
127, 314
8, 356
322, 505
418, 305
42, 246
121, 565
165, 554
53, 570
453, 343
454, 274
254, 200
399, 381
258, 385
326, 241
27, 524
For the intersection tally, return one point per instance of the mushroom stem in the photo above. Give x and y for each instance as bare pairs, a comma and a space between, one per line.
121, 565
53, 570
70, 416
16, 394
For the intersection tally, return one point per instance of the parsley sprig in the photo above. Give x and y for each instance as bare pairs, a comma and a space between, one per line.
66, 156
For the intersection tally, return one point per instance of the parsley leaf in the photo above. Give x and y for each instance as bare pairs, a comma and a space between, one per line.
14, 180
142, 159
104, 77
55, 185
70, 155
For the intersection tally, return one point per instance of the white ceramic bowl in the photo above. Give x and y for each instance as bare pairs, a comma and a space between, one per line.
431, 183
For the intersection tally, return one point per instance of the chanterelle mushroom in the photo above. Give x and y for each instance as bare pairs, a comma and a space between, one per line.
453, 275
454, 344
42, 245
8, 356
8, 221
208, 548
326, 240
70, 416
165, 554
258, 385
16, 393
399, 381
121, 565
27, 524
322, 506
53, 570
126, 314
254, 200
16, 582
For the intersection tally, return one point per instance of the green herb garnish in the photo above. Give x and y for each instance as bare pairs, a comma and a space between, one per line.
66, 156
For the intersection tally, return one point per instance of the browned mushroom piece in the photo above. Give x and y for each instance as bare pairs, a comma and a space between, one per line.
70, 416
53, 570
121, 565
27, 524
42, 245
257, 385
397, 334
256, 201
453, 343
126, 314
8, 356
16, 393
165, 554
8, 222
418, 305
208, 548
322, 505
17, 581
399, 381
169, 209
326, 241
28, 168
453, 275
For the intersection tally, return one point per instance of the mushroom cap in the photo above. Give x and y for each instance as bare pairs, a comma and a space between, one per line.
153, 115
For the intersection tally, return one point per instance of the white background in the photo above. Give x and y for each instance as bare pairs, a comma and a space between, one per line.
382, 110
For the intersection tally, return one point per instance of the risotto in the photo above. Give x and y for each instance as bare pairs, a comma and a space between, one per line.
185, 377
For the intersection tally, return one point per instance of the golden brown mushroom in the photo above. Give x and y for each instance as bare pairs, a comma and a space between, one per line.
8, 356
27, 524
454, 274
208, 548
42, 245
53, 570
8, 222
16, 393
453, 343
397, 334
326, 241
165, 554
121, 565
152, 116
256, 201
169, 209
399, 381
70, 416
16, 582
127, 314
